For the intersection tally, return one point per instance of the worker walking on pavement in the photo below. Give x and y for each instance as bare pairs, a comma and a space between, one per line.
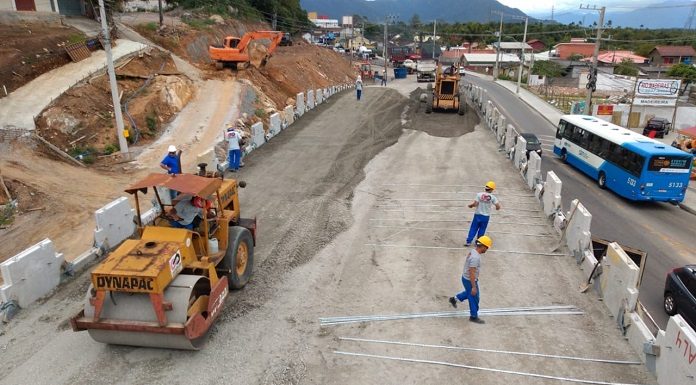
384, 78
358, 86
233, 149
483, 202
470, 276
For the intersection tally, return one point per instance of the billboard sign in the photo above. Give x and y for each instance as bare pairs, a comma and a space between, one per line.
605, 109
665, 102
666, 88
347, 20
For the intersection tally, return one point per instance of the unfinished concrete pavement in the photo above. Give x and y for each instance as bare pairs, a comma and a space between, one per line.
19, 109
314, 261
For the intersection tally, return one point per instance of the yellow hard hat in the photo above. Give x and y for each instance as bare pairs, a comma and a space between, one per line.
490, 185
486, 241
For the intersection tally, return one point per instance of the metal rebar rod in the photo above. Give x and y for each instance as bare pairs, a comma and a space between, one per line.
449, 347
460, 229
455, 220
502, 309
451, 364
501, 215
466, 248
527, 313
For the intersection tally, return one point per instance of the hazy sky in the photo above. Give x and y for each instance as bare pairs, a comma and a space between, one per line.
537, 7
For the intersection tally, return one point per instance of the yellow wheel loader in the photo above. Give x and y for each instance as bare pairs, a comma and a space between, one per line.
444, 95
166, 288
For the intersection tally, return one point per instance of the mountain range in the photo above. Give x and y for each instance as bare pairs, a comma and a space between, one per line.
427, 10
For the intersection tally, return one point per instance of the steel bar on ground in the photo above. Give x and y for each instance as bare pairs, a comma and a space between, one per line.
502, 309
451, 364
449, 347
445, 200
503, 215
506, 314
462, 229
442, 206
466, 248
454, 220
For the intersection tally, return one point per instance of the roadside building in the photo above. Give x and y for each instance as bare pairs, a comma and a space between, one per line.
485, 62
63, 7
512, 47
537, 45
565, 51
668, 55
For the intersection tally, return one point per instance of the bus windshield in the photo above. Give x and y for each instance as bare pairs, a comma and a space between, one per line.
669, 163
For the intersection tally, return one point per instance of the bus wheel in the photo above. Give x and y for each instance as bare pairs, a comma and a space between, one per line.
602, 180
564, 156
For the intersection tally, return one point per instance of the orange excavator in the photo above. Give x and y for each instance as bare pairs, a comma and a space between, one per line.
235, 50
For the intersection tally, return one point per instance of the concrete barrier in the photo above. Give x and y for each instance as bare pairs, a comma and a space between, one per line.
258, 136
642, 341
114, 223
500, 128
578, 234
618, 281
676, 363
533, 170
288, 117
310, 100
520, 152
318, 96
210, 158
551, 200
31, 274
274, 125
510, 134
300, 105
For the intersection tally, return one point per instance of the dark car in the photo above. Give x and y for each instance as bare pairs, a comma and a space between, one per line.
533, 143
680, 293
661, 126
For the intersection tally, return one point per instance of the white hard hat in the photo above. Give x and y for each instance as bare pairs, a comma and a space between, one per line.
172, 148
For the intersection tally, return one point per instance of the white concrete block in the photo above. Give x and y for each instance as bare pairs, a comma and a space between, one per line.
619, 273
638, 334
114, 223
31, 274
274, 124
552, 193
533, 169
149, 216
310, 99
520, 152
318, 96
588, 264
578, 235
288, 117
209, 158
510, 134
500, 127
258, 136
677, 360
632, 298
300, 105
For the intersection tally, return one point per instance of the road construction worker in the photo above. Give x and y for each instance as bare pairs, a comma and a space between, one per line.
187, 212
358, 86
470, 276
234, 151
384, 78
483, 202
172, 161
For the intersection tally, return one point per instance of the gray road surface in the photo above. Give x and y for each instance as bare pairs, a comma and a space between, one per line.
664, 231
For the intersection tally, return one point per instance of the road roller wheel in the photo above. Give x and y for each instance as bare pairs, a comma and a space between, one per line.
239, 257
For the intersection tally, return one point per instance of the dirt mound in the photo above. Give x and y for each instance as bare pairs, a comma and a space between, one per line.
81, 121
56, 204
31, 49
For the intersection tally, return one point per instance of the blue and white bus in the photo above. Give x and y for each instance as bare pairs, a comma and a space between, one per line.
632, 165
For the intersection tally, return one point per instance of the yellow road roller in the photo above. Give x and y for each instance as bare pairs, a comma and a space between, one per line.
166, 288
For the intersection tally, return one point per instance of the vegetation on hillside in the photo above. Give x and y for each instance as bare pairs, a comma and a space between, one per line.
287, 14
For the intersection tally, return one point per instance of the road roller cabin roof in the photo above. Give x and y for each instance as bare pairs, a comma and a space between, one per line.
183, 183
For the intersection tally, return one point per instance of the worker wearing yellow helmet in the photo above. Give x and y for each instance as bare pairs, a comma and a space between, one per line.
470, 276
483, 202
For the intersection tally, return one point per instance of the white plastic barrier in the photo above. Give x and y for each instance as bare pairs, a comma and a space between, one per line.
31, 274
300, 106
578, 235
258, 137
288, 117
520, 152
510, 135
114, 223
319, 96
618, 281
274, 125
552, 193
209, 158
676, 363
533, 170
501, 125
310, 99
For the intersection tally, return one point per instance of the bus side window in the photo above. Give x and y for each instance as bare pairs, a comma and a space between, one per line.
561, 129
577, 134
595, 143
604, 148
585, 139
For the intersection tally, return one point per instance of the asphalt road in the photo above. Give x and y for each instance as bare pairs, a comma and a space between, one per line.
664, 231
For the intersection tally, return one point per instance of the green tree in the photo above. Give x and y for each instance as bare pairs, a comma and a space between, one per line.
549, 69
686, 72
644, 49
627, 68
473, 32
415, 21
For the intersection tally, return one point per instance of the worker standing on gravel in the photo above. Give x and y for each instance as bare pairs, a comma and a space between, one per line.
483, 202
358, 86
470, 275
172, 161
384, 78
233, 150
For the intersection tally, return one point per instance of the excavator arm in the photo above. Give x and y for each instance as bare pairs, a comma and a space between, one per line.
240, 52
273, 36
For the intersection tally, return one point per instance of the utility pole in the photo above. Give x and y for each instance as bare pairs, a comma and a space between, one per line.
434, 33
161, 16
274, 22
387, 20
524, 43
122, 142
592, 83
497, 51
